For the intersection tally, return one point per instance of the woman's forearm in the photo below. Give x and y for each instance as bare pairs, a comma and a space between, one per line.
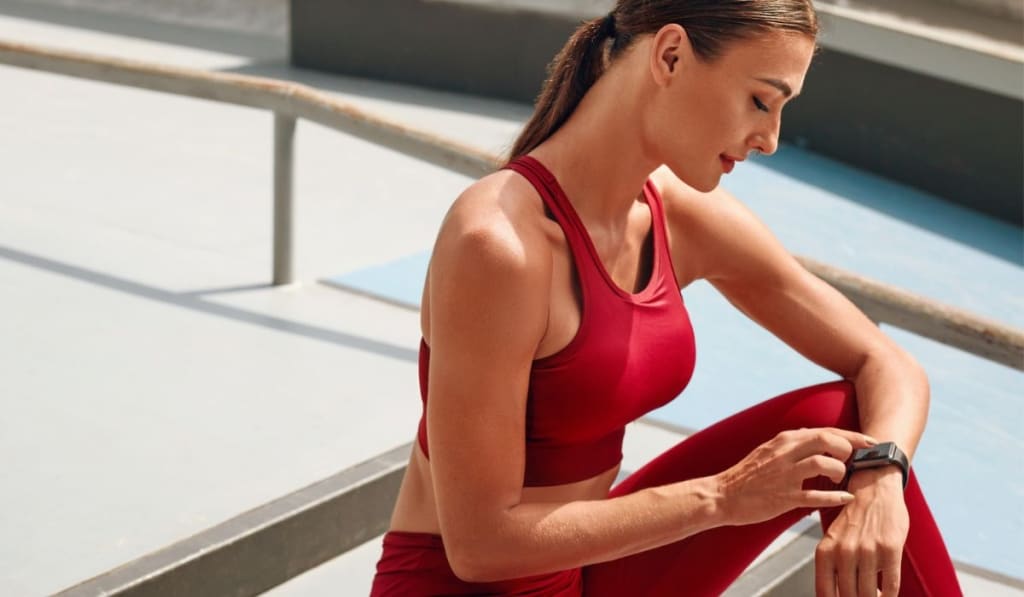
536, 538
893, 398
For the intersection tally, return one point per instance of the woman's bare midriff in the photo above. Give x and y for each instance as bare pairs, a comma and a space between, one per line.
416, 509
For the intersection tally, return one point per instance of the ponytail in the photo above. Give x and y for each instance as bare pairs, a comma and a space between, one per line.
709, 25
573, 71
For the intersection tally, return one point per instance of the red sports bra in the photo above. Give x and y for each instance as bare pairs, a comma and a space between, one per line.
632, 354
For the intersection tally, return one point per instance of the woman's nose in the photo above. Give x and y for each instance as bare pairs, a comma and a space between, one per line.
766, 141
765, 144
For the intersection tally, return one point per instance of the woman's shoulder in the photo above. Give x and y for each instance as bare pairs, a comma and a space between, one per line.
490, 270
496, 223
502, 194
685, 205
707, 228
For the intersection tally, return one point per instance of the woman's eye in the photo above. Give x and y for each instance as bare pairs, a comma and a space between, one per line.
759, 105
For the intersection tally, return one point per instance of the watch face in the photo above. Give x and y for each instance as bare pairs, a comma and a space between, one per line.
874, 456
874, 452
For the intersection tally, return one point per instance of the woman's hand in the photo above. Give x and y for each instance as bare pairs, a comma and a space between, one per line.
769, 480
866, 539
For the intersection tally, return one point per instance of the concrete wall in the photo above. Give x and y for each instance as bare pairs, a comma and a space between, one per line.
1000, 8
267, 17
955, 141
463, 48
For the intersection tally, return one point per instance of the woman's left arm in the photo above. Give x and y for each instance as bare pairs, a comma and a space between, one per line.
744, 261
742, 258
771, 287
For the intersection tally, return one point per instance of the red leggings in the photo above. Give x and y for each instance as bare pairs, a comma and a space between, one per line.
705, 563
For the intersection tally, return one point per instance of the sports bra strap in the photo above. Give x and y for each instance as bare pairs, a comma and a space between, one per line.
585, 256
547, 187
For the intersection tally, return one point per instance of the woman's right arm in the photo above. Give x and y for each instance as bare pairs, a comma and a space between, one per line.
490, 285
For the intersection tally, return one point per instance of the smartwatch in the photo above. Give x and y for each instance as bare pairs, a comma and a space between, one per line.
883, 454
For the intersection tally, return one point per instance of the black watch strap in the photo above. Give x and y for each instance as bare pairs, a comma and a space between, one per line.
883, 454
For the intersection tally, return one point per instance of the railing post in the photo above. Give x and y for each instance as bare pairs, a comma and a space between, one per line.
284, 144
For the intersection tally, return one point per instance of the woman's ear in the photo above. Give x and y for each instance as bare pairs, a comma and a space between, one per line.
670, 53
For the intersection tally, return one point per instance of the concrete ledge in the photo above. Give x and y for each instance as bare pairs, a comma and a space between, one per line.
267, 546
456, 47
785, 573
961, 57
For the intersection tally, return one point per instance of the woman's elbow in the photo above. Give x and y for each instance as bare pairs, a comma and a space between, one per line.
914, 368
478, 545
483, 557
471, 564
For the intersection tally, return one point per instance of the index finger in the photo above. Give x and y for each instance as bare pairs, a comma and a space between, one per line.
840, 443
858, 439
891, 581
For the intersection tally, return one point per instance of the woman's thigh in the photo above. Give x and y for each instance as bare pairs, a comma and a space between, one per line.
708, 562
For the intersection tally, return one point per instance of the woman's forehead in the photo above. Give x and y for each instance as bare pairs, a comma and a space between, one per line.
777, 59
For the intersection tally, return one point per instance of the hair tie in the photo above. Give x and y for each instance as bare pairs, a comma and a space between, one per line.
608, 25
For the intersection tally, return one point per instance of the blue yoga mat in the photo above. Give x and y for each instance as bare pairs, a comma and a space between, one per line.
968, 461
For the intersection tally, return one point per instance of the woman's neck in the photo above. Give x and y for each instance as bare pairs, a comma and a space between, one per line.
598, 154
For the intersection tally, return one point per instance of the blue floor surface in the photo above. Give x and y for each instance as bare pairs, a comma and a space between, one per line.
968, 461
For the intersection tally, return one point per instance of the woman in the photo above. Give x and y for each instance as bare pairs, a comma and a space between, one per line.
551, 317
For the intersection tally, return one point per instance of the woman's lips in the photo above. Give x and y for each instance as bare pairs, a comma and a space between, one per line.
727, 163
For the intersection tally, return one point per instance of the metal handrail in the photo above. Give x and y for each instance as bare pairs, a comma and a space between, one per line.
290, 101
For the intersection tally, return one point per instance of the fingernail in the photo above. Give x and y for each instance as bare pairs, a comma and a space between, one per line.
847, 496
871, 440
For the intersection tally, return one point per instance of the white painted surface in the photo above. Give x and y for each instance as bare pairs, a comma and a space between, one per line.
152, 384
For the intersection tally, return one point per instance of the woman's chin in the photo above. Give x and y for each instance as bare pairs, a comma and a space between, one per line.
701, 182
706, 185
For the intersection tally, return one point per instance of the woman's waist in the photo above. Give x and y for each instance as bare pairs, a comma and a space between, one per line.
415, 512
416, 563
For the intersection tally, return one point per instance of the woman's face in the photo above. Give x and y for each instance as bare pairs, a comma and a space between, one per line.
705, 115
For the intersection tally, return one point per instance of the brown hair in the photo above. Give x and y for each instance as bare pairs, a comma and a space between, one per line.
709, 25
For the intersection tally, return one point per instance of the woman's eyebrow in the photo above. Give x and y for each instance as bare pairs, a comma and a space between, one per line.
780, 85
